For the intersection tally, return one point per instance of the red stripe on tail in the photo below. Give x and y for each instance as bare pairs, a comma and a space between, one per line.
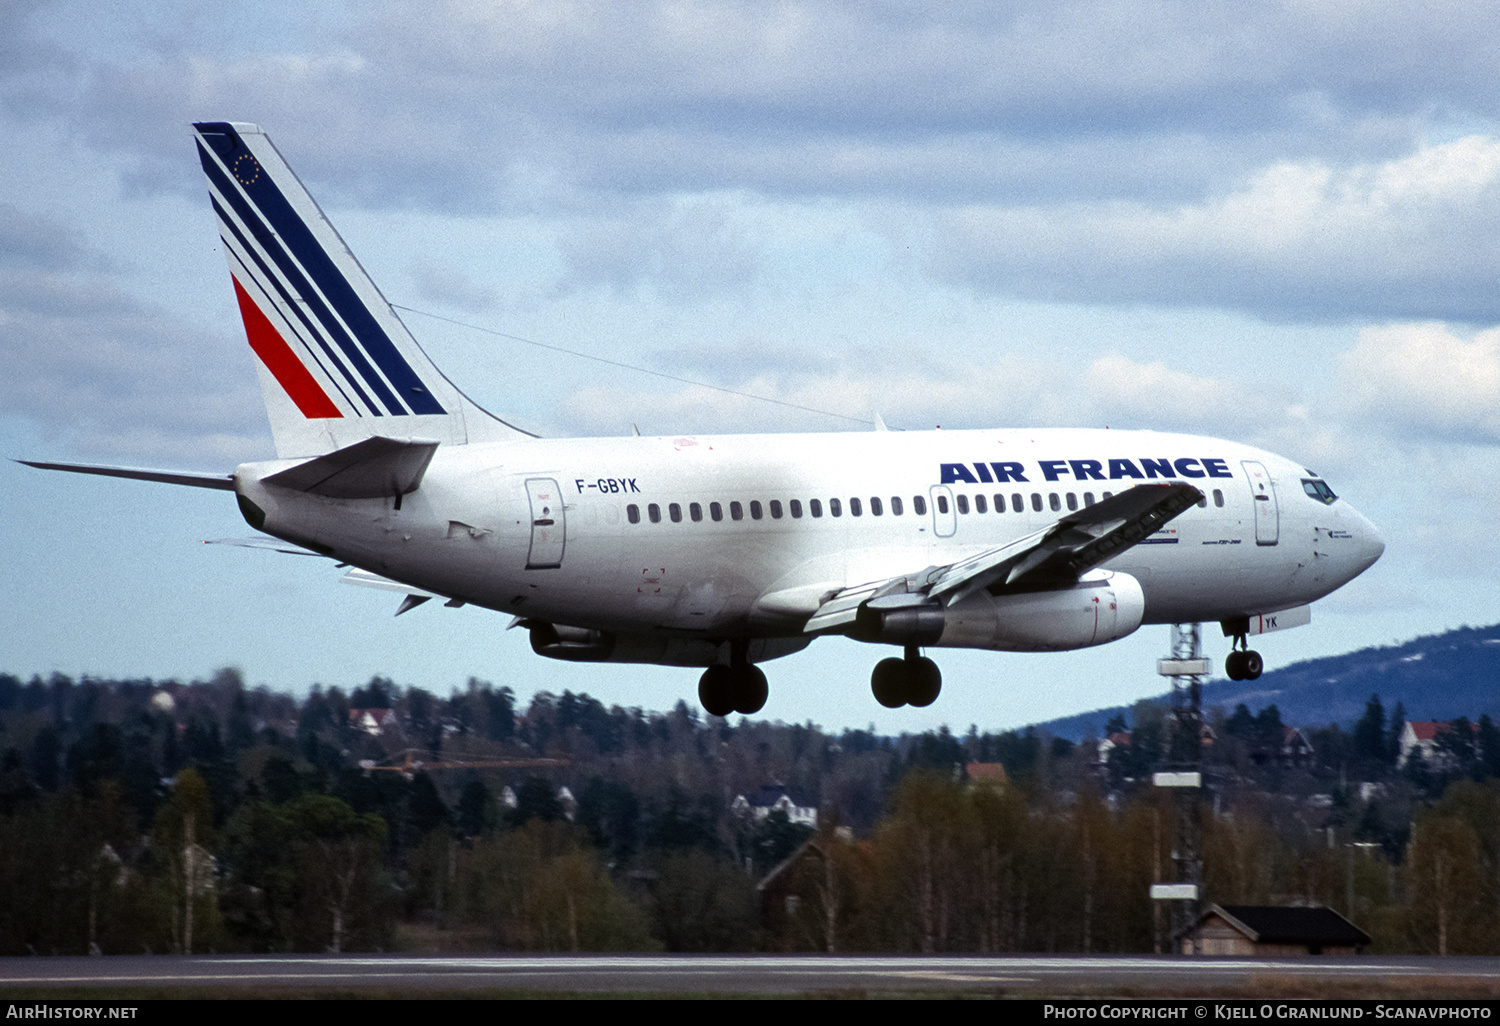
282, 362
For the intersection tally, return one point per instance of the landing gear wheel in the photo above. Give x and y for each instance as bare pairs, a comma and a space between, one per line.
750, 689
888, 682
716, 690
924, 681
1251, 664
1234, 665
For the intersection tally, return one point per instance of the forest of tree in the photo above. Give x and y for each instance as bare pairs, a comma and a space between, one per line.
143, 815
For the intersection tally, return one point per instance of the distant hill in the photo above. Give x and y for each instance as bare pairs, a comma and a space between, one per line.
1437, 677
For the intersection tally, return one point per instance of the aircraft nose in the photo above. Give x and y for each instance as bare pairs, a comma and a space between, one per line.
1368, 543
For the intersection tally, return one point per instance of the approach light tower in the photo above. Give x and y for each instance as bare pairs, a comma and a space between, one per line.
1184, 773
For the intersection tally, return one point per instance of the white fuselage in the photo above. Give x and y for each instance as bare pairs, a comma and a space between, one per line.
640, 535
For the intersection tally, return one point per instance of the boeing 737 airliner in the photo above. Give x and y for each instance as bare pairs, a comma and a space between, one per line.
722, 552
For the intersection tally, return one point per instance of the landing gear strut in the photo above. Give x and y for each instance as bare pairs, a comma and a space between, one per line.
914, 680
1242, 663
738, 687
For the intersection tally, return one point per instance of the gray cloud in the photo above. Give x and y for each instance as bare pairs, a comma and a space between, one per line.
30, 241
457, 105
440, 283
111, 375
1409, 237
1140, 152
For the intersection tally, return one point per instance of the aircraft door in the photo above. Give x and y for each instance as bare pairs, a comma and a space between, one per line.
944, 517
548, 524
1267, 516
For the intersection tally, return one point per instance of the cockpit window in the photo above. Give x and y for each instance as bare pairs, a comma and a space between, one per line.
1318, 490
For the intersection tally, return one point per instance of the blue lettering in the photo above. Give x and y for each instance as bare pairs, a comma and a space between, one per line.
633, 488
579, 482
1122, 468
1186, 469
1217, 468
1008, 472
953, 472
1157, 468
984, 473
1052, 468
1086, 470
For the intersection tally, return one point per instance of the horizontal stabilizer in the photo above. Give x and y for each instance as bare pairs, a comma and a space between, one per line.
366, 579
268, 544
224, 482
373, 469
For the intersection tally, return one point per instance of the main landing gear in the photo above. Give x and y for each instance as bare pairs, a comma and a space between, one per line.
1243, 663
738, 687
914, 680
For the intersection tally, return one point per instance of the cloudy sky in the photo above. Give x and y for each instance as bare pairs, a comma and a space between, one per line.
1272, 222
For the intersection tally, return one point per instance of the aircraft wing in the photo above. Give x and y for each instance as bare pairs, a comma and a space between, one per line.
1055, 556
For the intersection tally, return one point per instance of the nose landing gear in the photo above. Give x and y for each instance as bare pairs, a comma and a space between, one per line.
914, 680
738, 687
1243, 663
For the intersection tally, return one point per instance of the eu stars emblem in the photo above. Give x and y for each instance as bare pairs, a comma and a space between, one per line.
246, 169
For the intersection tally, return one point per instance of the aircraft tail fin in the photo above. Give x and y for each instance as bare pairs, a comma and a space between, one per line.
336, 363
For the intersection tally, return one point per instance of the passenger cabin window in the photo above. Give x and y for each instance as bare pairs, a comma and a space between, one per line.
835, 508
875, 508
942, 503
716, 511
674, 510
796, 506
815, 507
979, 504
1054, 502
1036, 502
1017, 503
695, 511
755, 513
962, 501
633, 513
1218, 498
775, 505
1072, 501
654, 512
1319, 490
1088, 498
919, 505
736, 511
855, 509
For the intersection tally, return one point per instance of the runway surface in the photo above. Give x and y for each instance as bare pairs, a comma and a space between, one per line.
1020, 975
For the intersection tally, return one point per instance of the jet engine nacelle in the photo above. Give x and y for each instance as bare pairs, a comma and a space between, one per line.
1103, 606
584, 645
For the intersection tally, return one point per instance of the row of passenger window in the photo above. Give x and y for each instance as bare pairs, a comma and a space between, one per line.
777, 510
981, 504
1055, 502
